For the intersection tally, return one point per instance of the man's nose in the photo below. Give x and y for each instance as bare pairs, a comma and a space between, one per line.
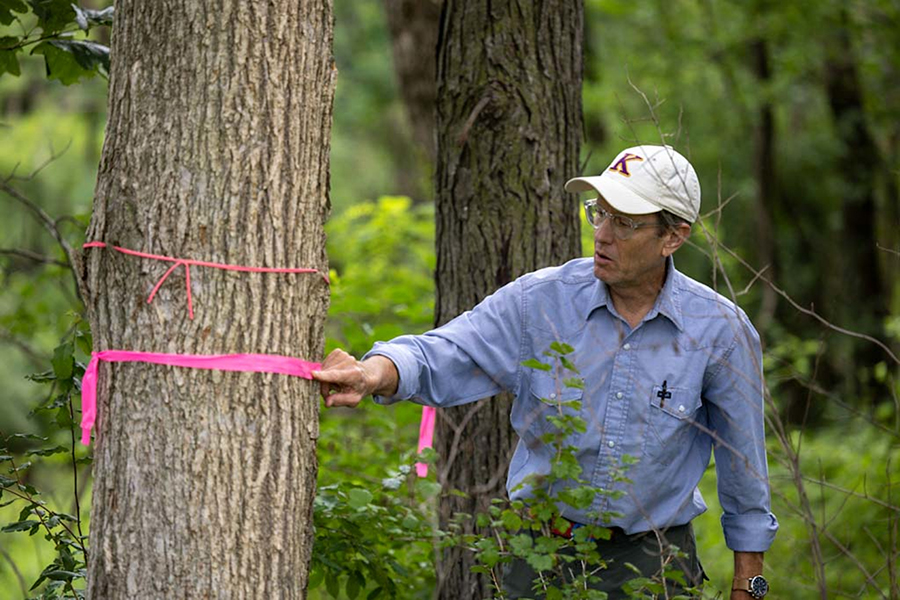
604, 233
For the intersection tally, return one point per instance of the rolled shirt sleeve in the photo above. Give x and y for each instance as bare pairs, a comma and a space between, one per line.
474, 356
735, 395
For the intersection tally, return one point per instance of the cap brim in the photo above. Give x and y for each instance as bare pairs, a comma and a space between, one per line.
618, 196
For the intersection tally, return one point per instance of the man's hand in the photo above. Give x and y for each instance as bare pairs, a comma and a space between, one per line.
345, 381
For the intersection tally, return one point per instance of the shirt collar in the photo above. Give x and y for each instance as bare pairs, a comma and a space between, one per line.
667, 303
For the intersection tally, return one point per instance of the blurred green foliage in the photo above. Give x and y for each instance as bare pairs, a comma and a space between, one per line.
682, 72
382, 259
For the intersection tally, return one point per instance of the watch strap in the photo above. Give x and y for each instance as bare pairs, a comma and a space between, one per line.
745, 584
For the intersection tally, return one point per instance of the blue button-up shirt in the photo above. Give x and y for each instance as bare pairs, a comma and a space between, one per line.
685, 381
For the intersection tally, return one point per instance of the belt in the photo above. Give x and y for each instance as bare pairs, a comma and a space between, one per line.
616, 534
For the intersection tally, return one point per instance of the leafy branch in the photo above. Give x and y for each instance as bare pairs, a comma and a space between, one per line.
67, 59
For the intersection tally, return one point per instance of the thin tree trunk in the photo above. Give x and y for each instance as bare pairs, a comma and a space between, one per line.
414, 32
766, 182
509, 132
862, 297
216, 149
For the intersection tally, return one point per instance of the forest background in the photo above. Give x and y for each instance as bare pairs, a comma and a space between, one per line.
789, 111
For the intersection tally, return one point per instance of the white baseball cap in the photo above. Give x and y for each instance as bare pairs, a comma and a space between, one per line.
644, 180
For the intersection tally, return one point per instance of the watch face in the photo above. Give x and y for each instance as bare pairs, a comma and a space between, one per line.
759, 587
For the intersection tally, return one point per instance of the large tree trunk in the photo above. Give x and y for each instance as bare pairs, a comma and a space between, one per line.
509, 132
216, 149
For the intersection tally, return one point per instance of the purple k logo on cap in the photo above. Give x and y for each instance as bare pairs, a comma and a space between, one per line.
644, 180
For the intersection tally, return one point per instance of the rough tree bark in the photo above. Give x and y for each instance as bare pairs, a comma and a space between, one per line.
509, 133
216, 149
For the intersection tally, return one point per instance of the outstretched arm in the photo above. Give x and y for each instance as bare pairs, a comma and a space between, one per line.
345, 381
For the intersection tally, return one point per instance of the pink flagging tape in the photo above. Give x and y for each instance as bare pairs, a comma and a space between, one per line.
187, 262
426, 436
254, 363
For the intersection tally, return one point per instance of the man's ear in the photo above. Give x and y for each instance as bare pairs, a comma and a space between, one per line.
674, 238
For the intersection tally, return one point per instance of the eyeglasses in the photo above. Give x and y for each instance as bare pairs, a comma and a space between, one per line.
622, 226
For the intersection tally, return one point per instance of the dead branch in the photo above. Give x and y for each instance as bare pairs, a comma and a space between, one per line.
51, 226
34, 256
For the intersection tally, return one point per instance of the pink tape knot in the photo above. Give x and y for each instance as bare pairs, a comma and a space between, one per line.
187, 262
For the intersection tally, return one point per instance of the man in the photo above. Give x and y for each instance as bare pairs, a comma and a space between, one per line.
671, 371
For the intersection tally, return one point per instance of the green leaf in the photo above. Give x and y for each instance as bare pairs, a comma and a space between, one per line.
63, 361
533, 363
520, 544
358, 498
39, 581
63, 418
574, 382
429, 489
568, 364
393, 483
26, 436
61, 575
409, 522
70, 60
85, 342
9, 62
21, 467
8, 7
333, 585
375, 593
316, 578
353, 586
41, 377
49, 451
53, 15
511, 520
20, 526
562, 348
86, 17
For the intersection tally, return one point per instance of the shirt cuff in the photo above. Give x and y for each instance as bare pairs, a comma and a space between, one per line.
407, 370
753, 532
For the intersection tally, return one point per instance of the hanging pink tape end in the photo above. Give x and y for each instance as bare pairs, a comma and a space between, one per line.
89, 399
426, 436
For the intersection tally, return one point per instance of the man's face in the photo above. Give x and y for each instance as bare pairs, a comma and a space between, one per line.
635, 262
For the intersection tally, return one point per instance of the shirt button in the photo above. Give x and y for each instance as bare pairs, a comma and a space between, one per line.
619, 395
681, 408
627, 346
611, 444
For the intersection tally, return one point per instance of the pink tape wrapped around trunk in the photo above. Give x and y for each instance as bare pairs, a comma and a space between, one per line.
256, 363
426, 436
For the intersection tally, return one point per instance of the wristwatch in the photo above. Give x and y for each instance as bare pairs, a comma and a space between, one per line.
756, 586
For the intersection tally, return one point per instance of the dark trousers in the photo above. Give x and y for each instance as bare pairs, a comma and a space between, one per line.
646, 551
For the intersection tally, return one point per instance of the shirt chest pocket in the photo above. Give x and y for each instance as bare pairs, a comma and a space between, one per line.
554, 413
674, 419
